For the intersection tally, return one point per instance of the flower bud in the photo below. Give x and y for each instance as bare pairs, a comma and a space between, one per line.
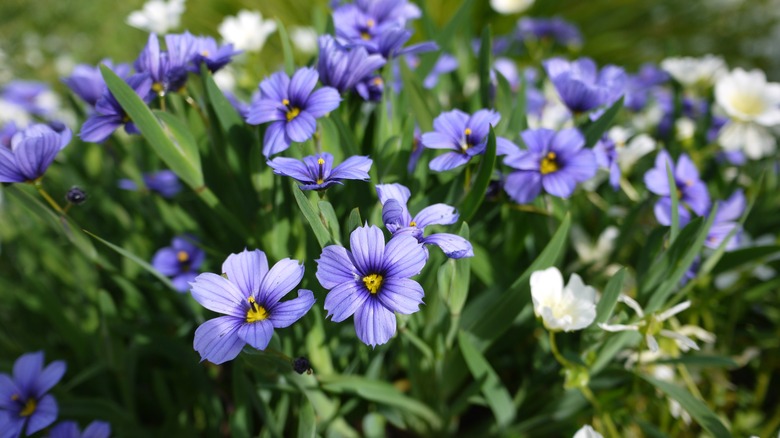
76, 196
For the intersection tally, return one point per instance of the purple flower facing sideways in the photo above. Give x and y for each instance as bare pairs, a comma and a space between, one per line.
87, 82
316, 172
164, 182
205, 50
364, 20
248, 294
372, 281
25, 406
291, 107
180, 261
343, 68
556, 29
31, 152
554, 161
168, 69
581, 86
464, 136
70, 429
398, 220
692, 192
29, 95
726, 217
109, 115
371, 88
607, 158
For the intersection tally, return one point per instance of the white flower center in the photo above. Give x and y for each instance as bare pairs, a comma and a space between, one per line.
748, 104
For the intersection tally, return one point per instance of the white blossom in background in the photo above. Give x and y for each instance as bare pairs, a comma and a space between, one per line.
587, 432
247, 31
753, 105
225, 79
507, 7
11, 112
591, 252
651, 325
695, 72
157, 16
684, 129
562, 308
304, 39
630, 147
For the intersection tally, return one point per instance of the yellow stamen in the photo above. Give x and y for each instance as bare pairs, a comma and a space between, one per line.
320, 161
15, 397
467, 131
412, 224
256, 312
293, 113
182, 256
689, 183
365, 36
29, 408
285, 102
378, 81
373, 282
370, 23
549, 164
205, 53
320, 180
158, 87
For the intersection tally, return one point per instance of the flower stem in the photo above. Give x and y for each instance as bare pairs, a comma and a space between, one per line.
558, 356
605, 417
38, 186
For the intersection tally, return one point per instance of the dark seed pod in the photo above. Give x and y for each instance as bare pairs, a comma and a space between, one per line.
302, 365
76, 196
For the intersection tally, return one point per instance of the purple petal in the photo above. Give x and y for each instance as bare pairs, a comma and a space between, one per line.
523, 186
663, 212
98, 128
506, 147
374, 323
217, 339
257, 334
302, 84
286, 313
395, 214
356, 167
404, 257
216, 293
732, 208
35, 154
401, 295
50, 376
301, 128
7, 390
275, 139
11, 425
581, 165
697, 197
182, 281
292, 168
27, 370
451, 124
448, 161
538, 140
335, 267
439, 214
453, 246
246, 270
9, 172
97, 429
275, 87
265, 110
559, 184
280, 280
438, 140
367, 244
524, 160
481, 121
166, 261
343, 300
44, 415
323, 101
65, 429
567, 141
685, 169
393, 191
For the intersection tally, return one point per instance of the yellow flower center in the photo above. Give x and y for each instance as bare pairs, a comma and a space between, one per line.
378, 81
285, 102
205, 53
549, 164
182, 257
29, 408
320, 174
293, 113
373, 282
370, 23
256, 312
320, 161
748, 104
412, 224
467, 131
158, 87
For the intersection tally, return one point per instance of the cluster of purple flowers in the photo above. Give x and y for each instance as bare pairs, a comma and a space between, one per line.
180, 261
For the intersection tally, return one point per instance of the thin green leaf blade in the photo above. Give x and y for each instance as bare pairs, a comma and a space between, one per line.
311, 215
698, 409
474, 198
595, 130
606, 304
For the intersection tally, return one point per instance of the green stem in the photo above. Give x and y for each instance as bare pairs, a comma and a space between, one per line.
38, 186
558, 356
605, 417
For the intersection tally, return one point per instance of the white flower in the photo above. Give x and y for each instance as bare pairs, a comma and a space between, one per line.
590, 252
304, 39
562, 308
157, 16
247, 31
630, 151
11, 112
684, 129
651, 325
507, 7
587, 432
695, 72
752, 103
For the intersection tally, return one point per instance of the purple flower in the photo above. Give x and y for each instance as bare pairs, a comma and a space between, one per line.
342, 68
692, 192
390, 43
638, 86
466, 136
607, 158
316, 172
180, 261
248, 294
29, 95
372, 281
31, 152
398, 220
445, 64
555, 161
25, 406
204, 50
371, 88
364, 20
292, 108
581, 86
70, 429
164, 182
168, 69
556, 29
87, 82
109, 114
729, 212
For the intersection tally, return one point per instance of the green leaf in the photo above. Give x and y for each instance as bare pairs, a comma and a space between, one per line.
331, 220
593, 131
701, 360
496, 395
226, 114
606, 304
175, 155
307, 422
134, 258
320, 232
675, 196
354, 221
698, 409
289, 62
180, 133
476, 195
458, 282
737, 258
485, 63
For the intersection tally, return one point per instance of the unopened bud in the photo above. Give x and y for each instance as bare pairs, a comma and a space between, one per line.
302, 365
76, 196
